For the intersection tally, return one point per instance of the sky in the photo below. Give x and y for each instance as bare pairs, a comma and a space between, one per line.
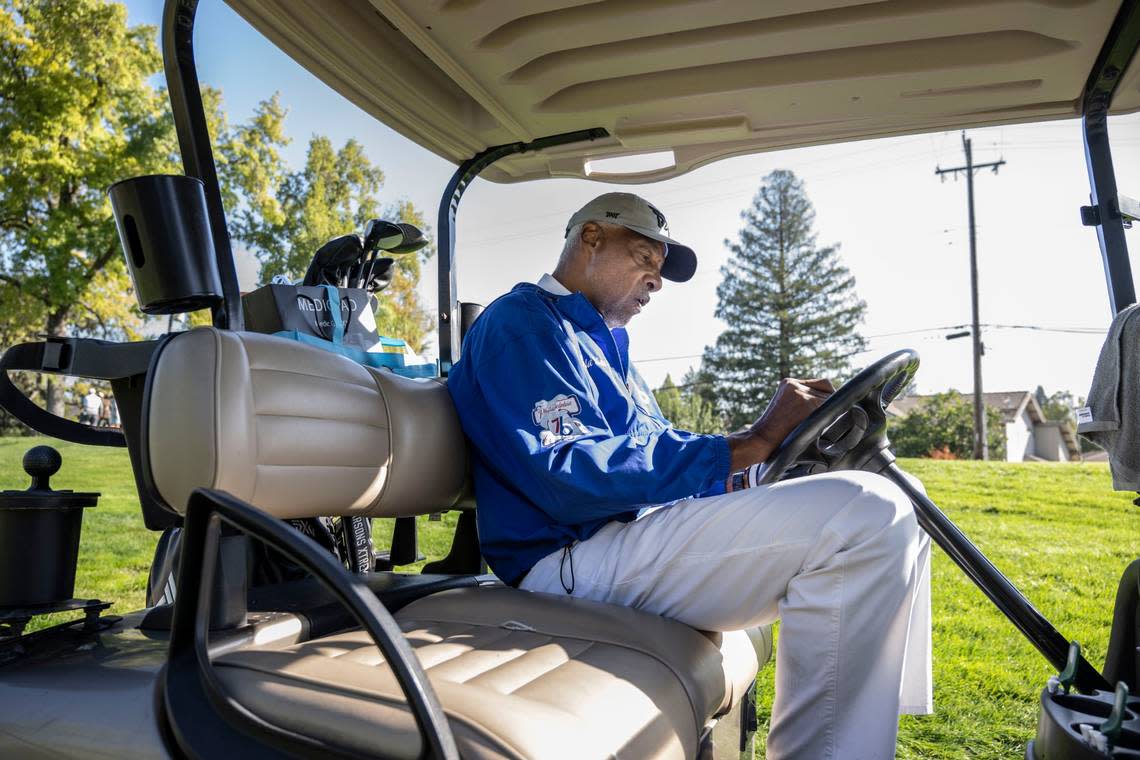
902, 230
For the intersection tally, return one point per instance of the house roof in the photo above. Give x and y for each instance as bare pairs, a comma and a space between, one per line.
705, 79
1010, 403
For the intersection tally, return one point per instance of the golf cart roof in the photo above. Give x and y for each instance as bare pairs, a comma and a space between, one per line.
706, 79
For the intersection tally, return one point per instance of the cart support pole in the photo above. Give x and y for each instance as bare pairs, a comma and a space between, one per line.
449, 207
1005, 596
1104, 213
194, 144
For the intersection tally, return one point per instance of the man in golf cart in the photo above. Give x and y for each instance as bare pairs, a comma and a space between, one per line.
585, 489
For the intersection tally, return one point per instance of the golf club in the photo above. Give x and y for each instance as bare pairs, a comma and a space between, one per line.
393, 237
331, 261
378, 234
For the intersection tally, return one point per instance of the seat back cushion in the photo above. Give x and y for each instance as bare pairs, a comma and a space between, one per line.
297, 431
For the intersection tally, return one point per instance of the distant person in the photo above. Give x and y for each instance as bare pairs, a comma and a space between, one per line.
92, 408
114, 413
104, 410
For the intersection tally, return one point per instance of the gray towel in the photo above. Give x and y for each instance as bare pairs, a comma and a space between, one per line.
1111, 419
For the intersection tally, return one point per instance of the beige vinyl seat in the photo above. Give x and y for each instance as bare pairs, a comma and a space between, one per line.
298, 432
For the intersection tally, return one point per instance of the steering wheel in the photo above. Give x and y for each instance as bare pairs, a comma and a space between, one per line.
849, 429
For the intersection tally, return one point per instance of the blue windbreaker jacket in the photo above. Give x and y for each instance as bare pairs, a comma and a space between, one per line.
565, 434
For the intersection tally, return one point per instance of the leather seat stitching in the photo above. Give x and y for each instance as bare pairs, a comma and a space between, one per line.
401, 702
569, 659
457, 655
497, 665
340, 654
216, 374
697, 710
391, 461
354, 421
322, 378
323, 466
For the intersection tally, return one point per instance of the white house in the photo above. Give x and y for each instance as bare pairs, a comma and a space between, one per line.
1029, 436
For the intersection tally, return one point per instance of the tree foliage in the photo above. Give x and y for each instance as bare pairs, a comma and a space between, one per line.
944, 424
790, 306
686, 408
78, 113
1059, 406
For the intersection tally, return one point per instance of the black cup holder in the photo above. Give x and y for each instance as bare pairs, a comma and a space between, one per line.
164, 228
1062, 715
1127, 739
1089, 706
39, 536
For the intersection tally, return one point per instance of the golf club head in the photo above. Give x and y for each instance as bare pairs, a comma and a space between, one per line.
332, 259
411, 240
381, 275
379, 233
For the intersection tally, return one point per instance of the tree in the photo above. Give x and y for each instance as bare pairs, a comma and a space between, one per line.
76, 115
944, 424
686, 408
284, 217
790, 306
1059, 407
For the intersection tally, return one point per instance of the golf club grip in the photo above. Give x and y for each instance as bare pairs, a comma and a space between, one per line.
995, 585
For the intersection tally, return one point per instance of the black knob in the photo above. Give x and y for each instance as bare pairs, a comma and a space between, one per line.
41, 462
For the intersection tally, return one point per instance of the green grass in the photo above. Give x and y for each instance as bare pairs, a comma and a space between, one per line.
1057, 530
1063, 537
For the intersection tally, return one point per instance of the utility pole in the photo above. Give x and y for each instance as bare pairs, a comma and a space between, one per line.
981, 449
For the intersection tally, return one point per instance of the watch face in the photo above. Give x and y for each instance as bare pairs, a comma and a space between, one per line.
738, 480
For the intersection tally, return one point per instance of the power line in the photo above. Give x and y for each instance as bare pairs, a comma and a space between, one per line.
1100, 331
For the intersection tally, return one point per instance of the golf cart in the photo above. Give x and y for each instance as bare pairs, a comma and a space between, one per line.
449, 662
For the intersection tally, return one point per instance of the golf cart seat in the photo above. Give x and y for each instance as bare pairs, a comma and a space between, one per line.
299, 432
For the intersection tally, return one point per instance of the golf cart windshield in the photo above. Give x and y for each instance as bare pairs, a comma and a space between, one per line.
516, 90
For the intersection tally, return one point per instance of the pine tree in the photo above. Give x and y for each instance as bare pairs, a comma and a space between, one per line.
790, 306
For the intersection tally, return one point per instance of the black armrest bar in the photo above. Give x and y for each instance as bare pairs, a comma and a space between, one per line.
78, 357
189, 674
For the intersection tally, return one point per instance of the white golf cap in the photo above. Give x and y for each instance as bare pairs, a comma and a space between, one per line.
635, 213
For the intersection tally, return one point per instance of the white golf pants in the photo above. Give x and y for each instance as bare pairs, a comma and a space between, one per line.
838, 558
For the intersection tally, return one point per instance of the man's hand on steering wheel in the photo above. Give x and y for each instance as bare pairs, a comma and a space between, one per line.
807, 422
793, 401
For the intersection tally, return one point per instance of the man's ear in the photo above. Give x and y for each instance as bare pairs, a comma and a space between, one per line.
592, 235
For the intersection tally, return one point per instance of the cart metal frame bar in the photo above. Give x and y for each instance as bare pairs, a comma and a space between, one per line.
445, 228
1105, 212
194, 145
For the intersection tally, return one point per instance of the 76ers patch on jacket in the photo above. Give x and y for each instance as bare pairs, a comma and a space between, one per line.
556, 419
